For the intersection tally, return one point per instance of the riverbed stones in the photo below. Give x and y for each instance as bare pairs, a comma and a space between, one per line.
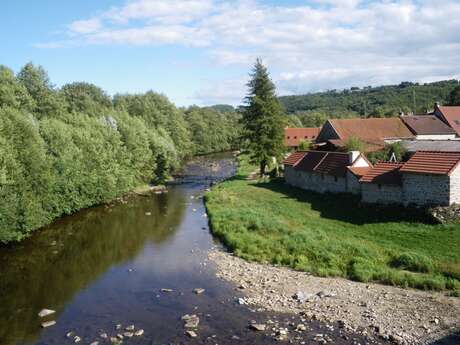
76, 339
45, 312
47, 324
103, 335
259, 327
191, 334
94, 343
130, 328
191, 321
166, 290
198, 291
139, 332
128, 334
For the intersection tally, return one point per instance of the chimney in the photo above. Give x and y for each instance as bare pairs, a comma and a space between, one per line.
352, 156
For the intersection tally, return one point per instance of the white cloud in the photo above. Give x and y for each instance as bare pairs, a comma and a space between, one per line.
331, 44
85, 26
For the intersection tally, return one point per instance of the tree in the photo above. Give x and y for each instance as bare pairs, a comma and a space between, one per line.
354, 144
262, 119
454, 96
304, 145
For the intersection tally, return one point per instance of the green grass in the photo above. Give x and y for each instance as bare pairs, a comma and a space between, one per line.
333, 235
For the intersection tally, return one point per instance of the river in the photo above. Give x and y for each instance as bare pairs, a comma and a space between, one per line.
107, 265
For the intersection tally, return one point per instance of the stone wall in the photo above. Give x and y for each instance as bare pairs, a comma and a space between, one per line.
425, 190
381, 194
353, 184
320, 183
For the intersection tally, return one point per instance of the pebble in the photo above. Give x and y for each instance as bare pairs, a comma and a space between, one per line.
103, 335
139, 332
198, 291
48, 324
77, 339
257, 327
45, 312
128, 334
191, 334
94, 343
166, 290
130, 328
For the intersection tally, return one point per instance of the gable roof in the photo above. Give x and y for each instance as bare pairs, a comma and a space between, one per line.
371, 129
293, 136
384, 173
451, 115
294, 158
431, 145
324, 162
359, 171
432, 162
427, 125
369, 145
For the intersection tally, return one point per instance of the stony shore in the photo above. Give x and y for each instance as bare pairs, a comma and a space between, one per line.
404, 316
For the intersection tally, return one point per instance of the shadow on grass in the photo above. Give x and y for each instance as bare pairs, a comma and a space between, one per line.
347, 207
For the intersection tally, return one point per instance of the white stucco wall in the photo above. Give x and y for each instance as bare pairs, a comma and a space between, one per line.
435, 137
455, 186
425, 190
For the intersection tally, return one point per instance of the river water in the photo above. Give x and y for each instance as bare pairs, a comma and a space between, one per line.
107, 265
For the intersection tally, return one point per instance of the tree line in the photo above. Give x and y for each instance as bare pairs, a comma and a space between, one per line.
64, 149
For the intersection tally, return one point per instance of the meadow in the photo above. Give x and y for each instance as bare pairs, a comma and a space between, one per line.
333, 235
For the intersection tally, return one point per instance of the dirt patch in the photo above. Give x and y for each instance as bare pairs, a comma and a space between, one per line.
403, 316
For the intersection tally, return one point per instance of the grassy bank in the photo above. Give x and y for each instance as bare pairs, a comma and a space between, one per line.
333, 235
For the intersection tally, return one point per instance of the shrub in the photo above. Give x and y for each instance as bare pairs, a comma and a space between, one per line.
413, 262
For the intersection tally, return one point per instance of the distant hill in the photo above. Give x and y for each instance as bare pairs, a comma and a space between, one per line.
381, 101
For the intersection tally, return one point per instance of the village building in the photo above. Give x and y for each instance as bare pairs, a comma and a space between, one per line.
321, 171
293, 136
373, 132
428, 178
412, 146
450, 115
428, 127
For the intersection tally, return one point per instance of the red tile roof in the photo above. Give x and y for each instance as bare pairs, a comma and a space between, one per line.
293, 136
427, 125
359, 171
322, 162
432, 162
452, 116
371, 129
369, 145
294, 158
384, 173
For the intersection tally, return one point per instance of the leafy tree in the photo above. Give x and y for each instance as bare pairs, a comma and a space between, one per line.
354, 144
304, 145
87, 98
454, 97
13, 93
262, 120
400, 153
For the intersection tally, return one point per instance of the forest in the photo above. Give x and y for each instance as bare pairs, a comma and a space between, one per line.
64, 149
382, 101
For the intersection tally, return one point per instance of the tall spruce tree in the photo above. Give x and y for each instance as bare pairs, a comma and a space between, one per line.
262, 119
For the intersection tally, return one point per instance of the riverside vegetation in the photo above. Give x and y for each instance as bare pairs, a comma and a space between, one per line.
332, 235
65, 149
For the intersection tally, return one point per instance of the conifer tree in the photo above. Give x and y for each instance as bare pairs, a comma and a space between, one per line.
262, 119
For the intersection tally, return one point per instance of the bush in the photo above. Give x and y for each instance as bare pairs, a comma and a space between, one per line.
413, 262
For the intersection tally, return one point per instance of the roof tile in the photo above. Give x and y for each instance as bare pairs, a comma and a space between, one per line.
432, 162
384, 173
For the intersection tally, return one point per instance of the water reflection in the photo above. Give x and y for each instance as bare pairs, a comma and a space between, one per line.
52, 266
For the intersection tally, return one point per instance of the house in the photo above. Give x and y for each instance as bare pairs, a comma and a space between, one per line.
450, 115
413, 146
293, 136
428, 178
321, 171
373, 132
382, 184
428, 127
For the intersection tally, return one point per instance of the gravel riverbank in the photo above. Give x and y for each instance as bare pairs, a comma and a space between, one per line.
401, 315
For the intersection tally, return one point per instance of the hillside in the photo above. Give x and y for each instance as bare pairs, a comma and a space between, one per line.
369, 101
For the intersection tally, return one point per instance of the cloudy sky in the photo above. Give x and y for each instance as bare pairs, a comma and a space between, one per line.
200, 51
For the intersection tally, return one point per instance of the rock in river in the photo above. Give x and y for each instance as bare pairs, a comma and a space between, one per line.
257, 327
45, 312
191, 334
48, 324
198, 291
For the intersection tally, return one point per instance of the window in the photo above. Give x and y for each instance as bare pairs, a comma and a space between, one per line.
289, 137
305, 137
295, 137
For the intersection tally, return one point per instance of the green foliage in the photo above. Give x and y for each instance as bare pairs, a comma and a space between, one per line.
333, 236
454, 97
64, 150
354, 144
262, 119
381, 101
397, 148
304, 145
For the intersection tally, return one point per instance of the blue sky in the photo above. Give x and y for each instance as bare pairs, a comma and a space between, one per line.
200, 51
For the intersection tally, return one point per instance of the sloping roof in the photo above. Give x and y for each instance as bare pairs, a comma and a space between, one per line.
371, 129
322, 162
294, 158
359, 171
431, 145
452, 116
369, 145
427, 125
384, 173
293, 136
432, 162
